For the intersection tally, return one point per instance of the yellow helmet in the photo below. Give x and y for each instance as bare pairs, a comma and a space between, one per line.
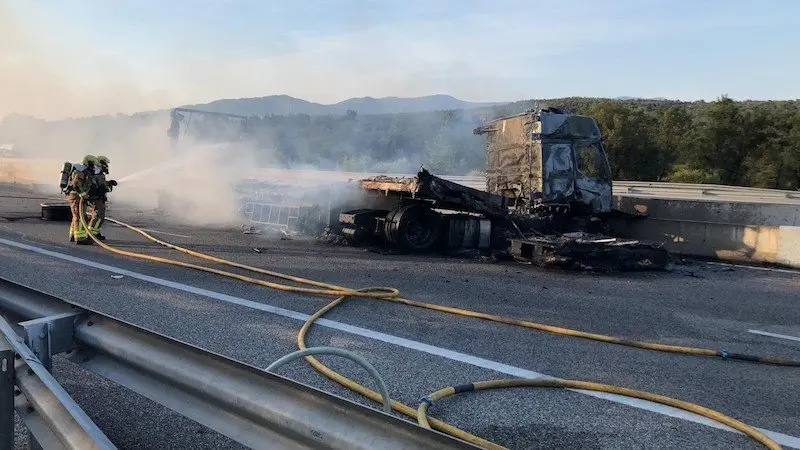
89, 159
103, 160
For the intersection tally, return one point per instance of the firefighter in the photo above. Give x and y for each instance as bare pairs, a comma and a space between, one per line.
98, 196
78, 190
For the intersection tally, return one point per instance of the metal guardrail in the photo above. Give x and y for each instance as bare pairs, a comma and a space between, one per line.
249, 405
52, 417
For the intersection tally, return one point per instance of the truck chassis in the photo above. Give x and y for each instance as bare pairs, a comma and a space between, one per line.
426, 213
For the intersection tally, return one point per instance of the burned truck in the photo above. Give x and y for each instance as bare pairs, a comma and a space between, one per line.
548, 162
548, 200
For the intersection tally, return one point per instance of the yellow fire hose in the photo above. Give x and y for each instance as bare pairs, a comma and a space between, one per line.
422, 411
392, 294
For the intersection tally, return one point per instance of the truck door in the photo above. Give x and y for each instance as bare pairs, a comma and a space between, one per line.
558, 173
593, 176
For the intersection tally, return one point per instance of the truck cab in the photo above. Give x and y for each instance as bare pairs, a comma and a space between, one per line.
549, 161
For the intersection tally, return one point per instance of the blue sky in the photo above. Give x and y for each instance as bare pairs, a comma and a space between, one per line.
76, 57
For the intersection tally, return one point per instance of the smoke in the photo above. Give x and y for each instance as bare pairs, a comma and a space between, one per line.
187, 181
193, 184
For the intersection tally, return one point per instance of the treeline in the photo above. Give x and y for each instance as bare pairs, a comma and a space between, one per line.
752, 143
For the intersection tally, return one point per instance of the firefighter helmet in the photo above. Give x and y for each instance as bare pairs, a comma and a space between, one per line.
103, 160
89, 160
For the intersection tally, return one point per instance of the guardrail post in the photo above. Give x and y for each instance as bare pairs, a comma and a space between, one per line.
6, 394
48, 336
33, 444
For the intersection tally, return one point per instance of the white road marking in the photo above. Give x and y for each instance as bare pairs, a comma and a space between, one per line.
780, 438
775, 335
744, 266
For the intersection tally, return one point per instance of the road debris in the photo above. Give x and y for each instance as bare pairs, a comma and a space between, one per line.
251, 230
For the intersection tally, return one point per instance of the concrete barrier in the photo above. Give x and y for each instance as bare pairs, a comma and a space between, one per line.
739, 212
730, 231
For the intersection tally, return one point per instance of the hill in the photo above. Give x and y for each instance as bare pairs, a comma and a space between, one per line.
286, 105
396, 105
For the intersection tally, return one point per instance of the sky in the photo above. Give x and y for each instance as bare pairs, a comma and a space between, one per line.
69, 58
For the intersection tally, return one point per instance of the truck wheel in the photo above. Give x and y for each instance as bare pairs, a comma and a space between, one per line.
56, 212
414, 228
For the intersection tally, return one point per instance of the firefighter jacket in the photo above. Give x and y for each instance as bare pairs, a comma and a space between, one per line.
79, 180
98, 187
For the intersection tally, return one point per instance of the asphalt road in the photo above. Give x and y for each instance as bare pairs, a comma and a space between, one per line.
695, 304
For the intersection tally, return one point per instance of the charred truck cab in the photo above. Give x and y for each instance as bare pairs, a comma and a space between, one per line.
548, 194
548, 162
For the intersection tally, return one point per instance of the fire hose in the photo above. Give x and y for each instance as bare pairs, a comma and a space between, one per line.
387, 404
422, 410
392, 294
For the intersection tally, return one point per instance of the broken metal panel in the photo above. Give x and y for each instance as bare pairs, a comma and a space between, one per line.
290, 218
394, 184
511, 169
445, 194
559, 173
595, 194
590, 252
453, 195
563, 126
468, 232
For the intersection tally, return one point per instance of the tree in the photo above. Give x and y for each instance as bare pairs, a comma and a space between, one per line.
723, 139
674, 136
792, 155
630, 140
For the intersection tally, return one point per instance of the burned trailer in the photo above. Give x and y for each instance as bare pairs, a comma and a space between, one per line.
425, 213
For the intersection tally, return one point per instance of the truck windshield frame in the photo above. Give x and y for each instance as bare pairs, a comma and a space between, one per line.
591, 160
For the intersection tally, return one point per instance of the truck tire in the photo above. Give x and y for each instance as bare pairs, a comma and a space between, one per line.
56, 212
415, 228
